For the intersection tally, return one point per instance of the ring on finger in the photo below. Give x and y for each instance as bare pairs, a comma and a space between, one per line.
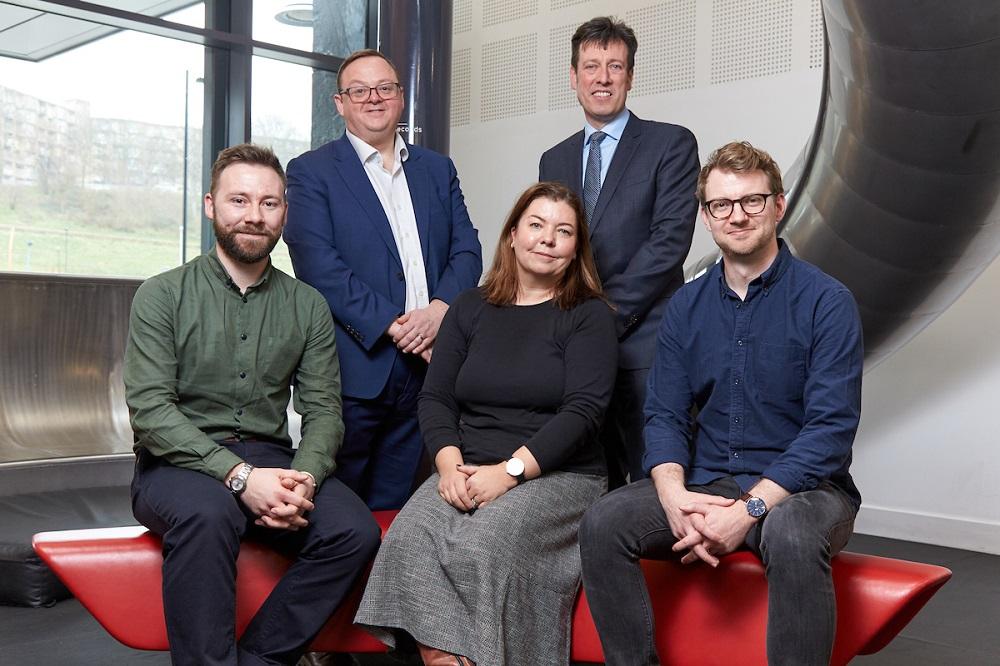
475, 503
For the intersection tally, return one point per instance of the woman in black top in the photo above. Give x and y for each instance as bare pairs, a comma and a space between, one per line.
482, 565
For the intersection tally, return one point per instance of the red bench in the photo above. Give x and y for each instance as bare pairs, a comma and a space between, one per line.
703, 616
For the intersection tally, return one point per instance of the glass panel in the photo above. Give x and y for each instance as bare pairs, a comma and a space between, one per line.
92, 159
285, 117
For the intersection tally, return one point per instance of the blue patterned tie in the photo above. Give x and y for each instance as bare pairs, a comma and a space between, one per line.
592, 178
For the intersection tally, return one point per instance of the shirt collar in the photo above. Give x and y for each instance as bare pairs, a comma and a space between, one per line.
215, 265
613, 129
766, 279
366, 151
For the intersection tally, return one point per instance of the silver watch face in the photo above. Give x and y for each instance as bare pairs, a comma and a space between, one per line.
236, 484
756, 507
515, 467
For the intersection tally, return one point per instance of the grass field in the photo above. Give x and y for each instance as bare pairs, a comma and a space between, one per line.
35, 240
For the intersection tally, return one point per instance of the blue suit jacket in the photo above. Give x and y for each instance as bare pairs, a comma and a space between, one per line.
642, 224
340, 242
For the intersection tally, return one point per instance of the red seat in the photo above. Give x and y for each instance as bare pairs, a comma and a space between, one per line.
704, 616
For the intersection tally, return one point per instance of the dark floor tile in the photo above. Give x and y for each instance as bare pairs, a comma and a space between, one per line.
909, 652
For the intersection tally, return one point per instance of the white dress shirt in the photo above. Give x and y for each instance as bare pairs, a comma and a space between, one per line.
394, 194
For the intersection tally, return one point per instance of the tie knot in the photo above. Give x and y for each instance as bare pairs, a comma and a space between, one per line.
597, 137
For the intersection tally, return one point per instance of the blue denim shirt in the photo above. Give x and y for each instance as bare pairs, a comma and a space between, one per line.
772, 383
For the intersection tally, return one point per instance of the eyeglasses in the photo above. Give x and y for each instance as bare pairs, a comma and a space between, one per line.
751, 204
360, 94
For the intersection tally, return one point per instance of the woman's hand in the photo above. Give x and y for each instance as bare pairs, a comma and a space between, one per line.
485, 483
451, 485
452, 488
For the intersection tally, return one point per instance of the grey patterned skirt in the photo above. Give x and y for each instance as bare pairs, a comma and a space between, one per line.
497, 585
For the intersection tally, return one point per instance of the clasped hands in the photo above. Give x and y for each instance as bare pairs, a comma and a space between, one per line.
415, 331
280, 497
468, 487
706, 526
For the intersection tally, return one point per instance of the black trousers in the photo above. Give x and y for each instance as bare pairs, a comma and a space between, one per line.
202, 524
624, 422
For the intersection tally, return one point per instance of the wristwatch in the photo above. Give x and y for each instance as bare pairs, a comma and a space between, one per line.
238, 482
515, 467
755, 505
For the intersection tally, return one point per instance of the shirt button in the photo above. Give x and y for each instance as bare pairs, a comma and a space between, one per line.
736, 381
739, 305
239, 412
243, 336
243, 375
244, 299
739, 343
736, 419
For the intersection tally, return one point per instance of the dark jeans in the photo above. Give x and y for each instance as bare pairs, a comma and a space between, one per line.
202, 525
382, 445
621, 434
795, 541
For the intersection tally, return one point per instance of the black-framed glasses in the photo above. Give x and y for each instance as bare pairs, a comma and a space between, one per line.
752, 204
360, 94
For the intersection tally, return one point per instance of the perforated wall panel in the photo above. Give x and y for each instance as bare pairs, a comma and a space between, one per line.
560, 4
561, 95
750, 39
815, 35
496, 12
461, 86
666, 55
509, 87
461, 18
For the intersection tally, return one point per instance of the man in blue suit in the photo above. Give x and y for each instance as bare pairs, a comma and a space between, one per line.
637, 179
380, 228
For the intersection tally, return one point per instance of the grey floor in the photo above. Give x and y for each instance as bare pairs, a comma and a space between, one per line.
959, 627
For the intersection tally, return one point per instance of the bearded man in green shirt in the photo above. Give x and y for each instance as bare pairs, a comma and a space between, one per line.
214, 349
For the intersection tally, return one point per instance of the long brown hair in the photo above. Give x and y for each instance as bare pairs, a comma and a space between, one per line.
580, 280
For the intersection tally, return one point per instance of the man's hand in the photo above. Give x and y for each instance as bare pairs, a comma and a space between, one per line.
278, 506
694, 536
668, 479
724, 526
487, 482
417, 329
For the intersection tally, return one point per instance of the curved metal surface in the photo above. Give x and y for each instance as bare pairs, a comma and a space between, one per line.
901, 201
62, 341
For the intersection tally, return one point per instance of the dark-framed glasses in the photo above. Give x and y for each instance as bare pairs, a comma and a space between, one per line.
359, 94
751, 204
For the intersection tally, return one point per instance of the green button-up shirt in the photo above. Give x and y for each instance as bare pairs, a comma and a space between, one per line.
206, 363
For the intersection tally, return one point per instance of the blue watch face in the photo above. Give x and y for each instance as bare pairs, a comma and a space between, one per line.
756, 507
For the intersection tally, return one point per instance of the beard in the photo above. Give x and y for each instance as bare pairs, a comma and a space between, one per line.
248, 250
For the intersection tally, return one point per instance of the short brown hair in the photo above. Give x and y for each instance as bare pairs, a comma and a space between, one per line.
740, 157
579, 282
358, 55
246, 153
604, 30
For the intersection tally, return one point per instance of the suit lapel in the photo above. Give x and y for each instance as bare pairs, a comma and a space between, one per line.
418, 182
353, 173
619, 163
576, 164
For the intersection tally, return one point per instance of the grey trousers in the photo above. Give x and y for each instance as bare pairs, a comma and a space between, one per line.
795, 541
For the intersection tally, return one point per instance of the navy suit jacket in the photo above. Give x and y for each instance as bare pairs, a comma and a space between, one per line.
642, 224
341, 243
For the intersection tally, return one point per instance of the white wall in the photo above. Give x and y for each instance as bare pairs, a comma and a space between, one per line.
925, 460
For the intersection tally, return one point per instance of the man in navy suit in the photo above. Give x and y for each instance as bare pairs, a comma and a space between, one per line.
637, 179
380, 228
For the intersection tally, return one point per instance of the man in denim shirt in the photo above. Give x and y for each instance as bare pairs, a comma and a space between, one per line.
767, 349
